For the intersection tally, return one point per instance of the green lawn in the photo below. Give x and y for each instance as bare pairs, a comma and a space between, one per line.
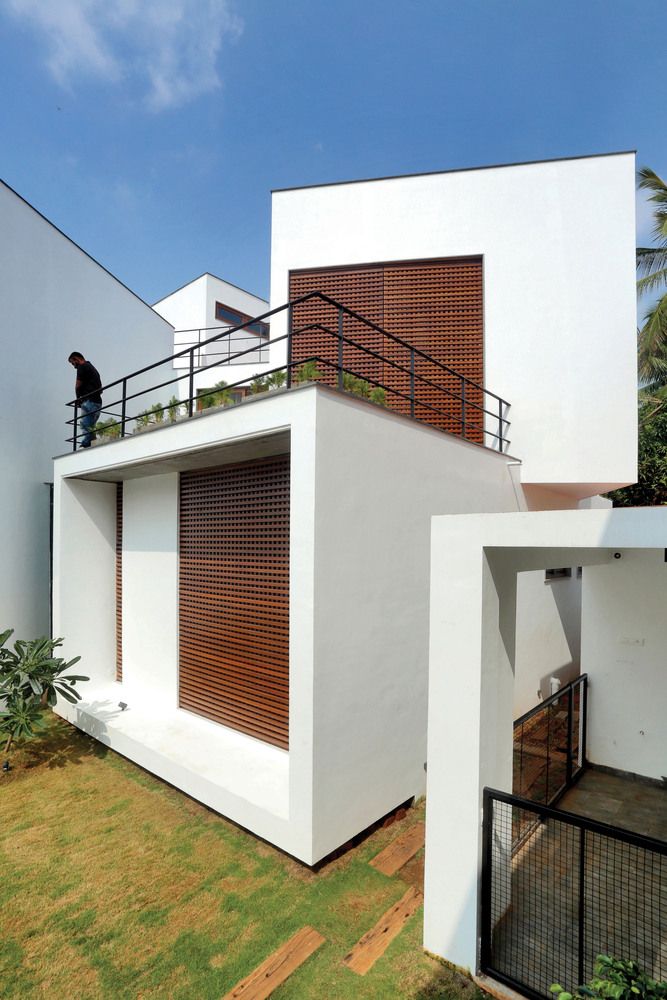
115, 885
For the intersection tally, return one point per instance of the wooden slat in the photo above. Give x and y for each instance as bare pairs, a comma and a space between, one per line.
119, 581
234, 596
374, 944
434, 305
396, 854
267, 977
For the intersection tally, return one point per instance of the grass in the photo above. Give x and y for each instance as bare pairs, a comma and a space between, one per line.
115, 885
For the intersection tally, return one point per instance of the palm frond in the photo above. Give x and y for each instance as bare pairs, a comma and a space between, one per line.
652, 282
653, 344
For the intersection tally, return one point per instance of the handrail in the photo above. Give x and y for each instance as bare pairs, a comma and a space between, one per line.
551, 700
233, 357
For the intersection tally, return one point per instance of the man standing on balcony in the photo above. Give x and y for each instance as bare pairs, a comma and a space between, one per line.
88, 396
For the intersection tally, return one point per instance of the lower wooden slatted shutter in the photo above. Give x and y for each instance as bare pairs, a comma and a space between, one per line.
234, 596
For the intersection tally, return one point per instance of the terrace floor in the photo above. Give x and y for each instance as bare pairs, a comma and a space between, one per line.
620, 800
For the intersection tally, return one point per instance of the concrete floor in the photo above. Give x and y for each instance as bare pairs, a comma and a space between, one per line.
621, 801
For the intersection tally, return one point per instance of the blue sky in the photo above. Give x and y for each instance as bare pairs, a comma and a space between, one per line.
152, 131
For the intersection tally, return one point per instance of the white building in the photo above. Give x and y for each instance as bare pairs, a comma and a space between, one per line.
263, 569
55, 299
201, 310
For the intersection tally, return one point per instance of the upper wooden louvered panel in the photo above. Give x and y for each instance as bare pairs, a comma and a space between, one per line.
434, 305
119, 581
360, 289
234, 596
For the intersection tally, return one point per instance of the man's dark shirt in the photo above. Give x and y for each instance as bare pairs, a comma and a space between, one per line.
90, 381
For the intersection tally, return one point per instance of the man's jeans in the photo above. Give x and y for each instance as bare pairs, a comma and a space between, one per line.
89, 415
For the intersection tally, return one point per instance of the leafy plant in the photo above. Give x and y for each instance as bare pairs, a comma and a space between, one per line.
219, 395
650, 490
174, 407
615, 979
259, 384
157, 413
357, 386
307, 372
378, 396
276, 380
143, 419
108, 428
30, 678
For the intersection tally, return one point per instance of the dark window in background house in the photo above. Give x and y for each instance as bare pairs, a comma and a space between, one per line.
224, 314
563, 573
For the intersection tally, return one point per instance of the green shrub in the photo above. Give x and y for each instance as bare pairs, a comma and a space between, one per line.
108, 428
307, 372
615, 979
30, 678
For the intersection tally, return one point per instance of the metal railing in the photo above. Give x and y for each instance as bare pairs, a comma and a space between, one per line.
549, 752
408, 379
576, 889
220, 352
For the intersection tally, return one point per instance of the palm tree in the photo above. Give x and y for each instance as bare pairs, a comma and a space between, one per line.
652, 268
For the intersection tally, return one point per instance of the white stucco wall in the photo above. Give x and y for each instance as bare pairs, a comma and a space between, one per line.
378, 480
150, 586
624, 644
55, 299
548, 635
559, 291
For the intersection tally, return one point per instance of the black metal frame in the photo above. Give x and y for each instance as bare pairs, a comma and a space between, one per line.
467, 427
586, 895
572, 769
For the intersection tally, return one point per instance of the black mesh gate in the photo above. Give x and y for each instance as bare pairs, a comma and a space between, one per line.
573, 889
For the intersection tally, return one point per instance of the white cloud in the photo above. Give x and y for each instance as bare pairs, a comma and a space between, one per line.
170, 46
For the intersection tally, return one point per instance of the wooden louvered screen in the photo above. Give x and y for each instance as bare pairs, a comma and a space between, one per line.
119, 581
234, 596
434, 305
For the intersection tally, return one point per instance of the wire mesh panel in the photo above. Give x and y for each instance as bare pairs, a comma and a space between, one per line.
234, 596
549, 748
572, 890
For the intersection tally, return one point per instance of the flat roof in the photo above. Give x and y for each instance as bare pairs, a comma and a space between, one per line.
457, 170
209, 274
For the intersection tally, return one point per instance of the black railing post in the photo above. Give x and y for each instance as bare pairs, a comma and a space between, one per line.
412, 381
123, 406
463, 407
191, 382
500, 425
570, 722
487, 861
583, 713
341, 383
76, 427
290, 321
582, 902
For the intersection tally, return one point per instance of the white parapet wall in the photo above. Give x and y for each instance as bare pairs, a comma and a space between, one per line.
559, 291
475, 563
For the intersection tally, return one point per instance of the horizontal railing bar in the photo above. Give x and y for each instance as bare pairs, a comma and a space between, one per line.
573, 819
406, 371
551, 700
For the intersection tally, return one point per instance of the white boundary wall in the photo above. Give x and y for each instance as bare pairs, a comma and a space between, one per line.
559, 291
55, 299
